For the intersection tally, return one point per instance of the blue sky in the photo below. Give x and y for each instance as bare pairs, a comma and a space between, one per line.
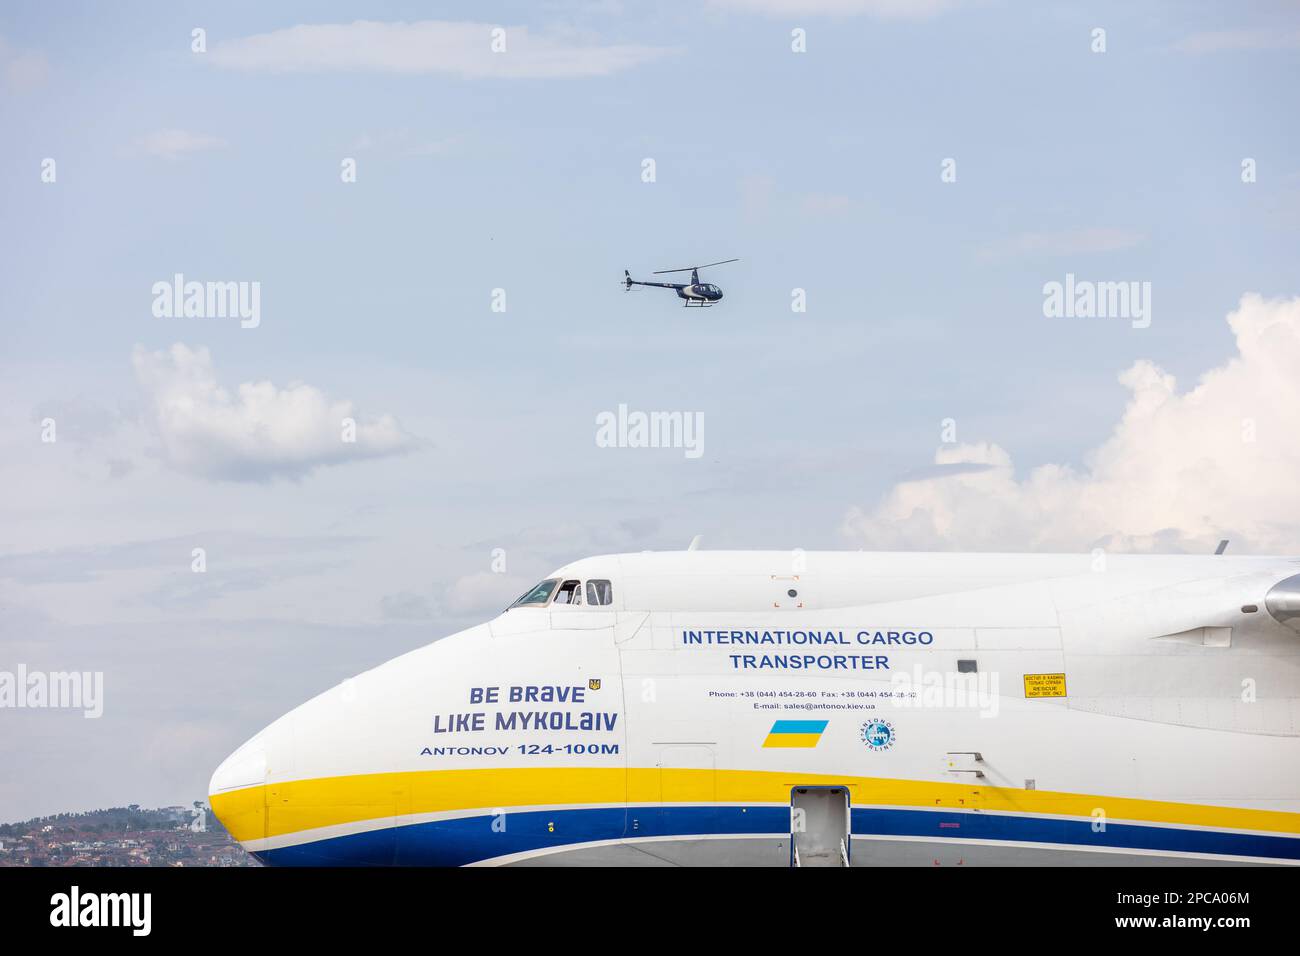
820, 170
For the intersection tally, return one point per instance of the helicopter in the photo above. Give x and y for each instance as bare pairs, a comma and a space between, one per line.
695, 292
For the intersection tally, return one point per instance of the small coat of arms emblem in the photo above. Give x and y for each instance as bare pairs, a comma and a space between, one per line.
593, 683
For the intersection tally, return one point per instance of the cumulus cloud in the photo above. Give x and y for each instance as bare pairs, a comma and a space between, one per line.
483, 592
85, 564
405, 606
79, 418
260, 431
427, 46
1179, 471
175, 143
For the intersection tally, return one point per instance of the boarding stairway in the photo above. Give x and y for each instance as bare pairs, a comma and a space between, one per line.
819, 826
838, 857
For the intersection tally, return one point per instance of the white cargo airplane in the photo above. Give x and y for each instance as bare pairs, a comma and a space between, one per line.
778, 708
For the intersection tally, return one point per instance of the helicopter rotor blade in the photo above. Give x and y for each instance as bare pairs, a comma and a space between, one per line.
689, 268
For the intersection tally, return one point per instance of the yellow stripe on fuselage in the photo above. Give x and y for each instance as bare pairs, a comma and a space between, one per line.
275, 810
792, 740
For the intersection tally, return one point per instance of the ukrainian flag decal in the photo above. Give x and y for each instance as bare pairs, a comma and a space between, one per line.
795, 733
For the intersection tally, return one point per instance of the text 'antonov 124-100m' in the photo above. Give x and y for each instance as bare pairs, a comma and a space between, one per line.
812, 709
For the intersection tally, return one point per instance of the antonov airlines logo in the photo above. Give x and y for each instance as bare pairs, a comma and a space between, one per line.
795, 733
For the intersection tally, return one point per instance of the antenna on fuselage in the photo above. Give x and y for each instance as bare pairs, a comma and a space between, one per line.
695, 543
1223, 546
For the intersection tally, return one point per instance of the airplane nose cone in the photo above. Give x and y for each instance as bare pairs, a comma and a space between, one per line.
235, 792
1283, 601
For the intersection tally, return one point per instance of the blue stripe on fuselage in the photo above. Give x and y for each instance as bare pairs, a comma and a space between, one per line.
472, 839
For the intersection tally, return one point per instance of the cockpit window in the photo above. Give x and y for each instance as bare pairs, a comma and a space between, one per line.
540, 594
599, 593
570, 593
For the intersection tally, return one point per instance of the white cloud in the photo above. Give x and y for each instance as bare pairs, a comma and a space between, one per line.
174, 143
483, 592
405, 143
260, 432
427, 46
1179, 471
405, 606
825, 204
880, 9
1219, 40
79, 418
1063, 243
22, 70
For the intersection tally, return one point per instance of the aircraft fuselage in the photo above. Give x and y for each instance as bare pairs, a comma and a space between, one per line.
972, 708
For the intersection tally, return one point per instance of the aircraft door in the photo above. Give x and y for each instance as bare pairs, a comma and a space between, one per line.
820, 827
